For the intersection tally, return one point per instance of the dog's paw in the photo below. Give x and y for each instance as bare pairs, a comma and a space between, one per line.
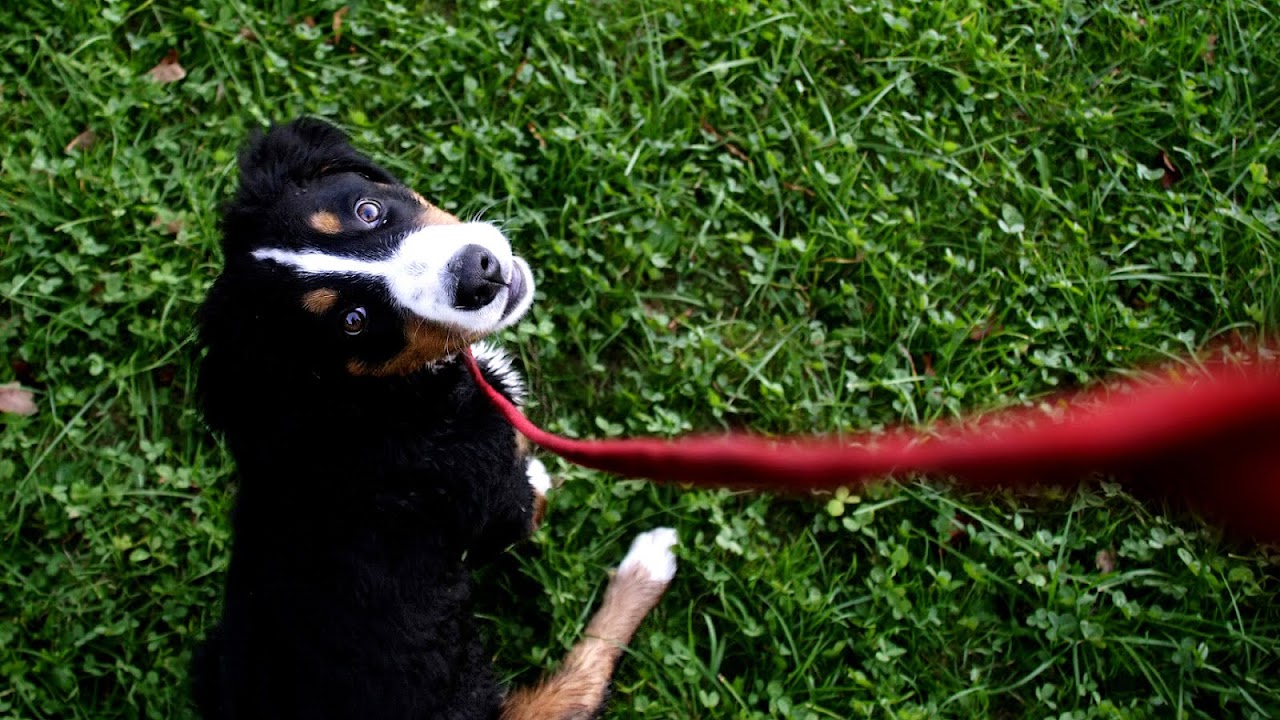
539, 478
651, 554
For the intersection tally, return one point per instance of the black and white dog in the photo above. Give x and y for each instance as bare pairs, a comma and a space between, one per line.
373, 475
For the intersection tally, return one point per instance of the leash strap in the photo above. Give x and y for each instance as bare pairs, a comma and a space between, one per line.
1213, 438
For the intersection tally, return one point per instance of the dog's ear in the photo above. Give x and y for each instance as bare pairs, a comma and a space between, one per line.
297, 153
282, 160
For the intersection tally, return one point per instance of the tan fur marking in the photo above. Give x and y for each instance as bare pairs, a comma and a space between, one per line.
539, 511
523, 446
578, 689
325, 222
433, 215
425, 343
319, 301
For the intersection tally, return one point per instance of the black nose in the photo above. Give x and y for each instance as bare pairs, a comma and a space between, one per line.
479, 277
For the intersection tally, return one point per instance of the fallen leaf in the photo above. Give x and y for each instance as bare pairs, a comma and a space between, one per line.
338, 15
83, 141
13, 399
1105, 561
675, 321
798, 188
958, 534
981, 331
734, 150
515, 76
1171, 174
910, 360
1210, 45
534, 130
169, 227
247, 35
168, 70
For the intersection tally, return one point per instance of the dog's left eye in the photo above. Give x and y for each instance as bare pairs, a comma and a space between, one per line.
368, 211
354, 321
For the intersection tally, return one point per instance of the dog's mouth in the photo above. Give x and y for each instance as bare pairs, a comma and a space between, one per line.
517, 286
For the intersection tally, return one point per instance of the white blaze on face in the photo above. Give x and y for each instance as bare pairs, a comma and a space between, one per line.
418, 278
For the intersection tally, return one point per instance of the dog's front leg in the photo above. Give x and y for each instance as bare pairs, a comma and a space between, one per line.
540, 481
515, 510
578, 690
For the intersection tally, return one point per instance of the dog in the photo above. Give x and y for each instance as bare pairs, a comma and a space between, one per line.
373, 476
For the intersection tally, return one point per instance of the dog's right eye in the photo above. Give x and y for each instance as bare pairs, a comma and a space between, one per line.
368, 211
354, 321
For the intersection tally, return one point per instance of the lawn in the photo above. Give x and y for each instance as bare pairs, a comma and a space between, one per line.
790, 217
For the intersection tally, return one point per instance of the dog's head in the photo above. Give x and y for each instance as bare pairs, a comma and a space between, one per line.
336, 270
372, 276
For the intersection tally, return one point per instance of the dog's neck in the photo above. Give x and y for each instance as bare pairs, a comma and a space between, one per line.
346, 439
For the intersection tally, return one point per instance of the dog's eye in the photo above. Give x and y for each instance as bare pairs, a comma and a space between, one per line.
354, 321
368, 211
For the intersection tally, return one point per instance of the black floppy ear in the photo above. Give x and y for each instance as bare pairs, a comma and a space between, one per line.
294, 154
282, 160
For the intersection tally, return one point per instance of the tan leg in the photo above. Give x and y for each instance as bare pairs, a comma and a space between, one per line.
578, 689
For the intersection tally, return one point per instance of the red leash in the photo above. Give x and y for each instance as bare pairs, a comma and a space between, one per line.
1213, 438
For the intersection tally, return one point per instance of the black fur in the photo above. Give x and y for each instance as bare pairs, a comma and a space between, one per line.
363, 502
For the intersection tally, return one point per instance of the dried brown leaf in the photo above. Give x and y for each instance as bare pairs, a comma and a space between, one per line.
734, 150
984, 329
83, 141
1105, 561
515, 76
168, 70
170, 226
1171, 173
338, 16
1210, 47
533, 129
13, 399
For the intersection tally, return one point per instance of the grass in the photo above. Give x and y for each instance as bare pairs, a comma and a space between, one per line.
790, 217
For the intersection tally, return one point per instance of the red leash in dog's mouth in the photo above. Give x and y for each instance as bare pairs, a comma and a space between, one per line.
1212, 437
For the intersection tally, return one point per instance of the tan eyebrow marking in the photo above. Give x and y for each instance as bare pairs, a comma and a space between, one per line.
325, 222
433, 215
320, 301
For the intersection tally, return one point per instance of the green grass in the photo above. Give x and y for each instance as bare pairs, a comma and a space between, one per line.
790, 217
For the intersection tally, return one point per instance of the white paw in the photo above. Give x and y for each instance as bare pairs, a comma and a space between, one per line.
651, 551
538, 476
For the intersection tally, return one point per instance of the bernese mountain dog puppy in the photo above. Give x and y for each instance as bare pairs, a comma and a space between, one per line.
373, 474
